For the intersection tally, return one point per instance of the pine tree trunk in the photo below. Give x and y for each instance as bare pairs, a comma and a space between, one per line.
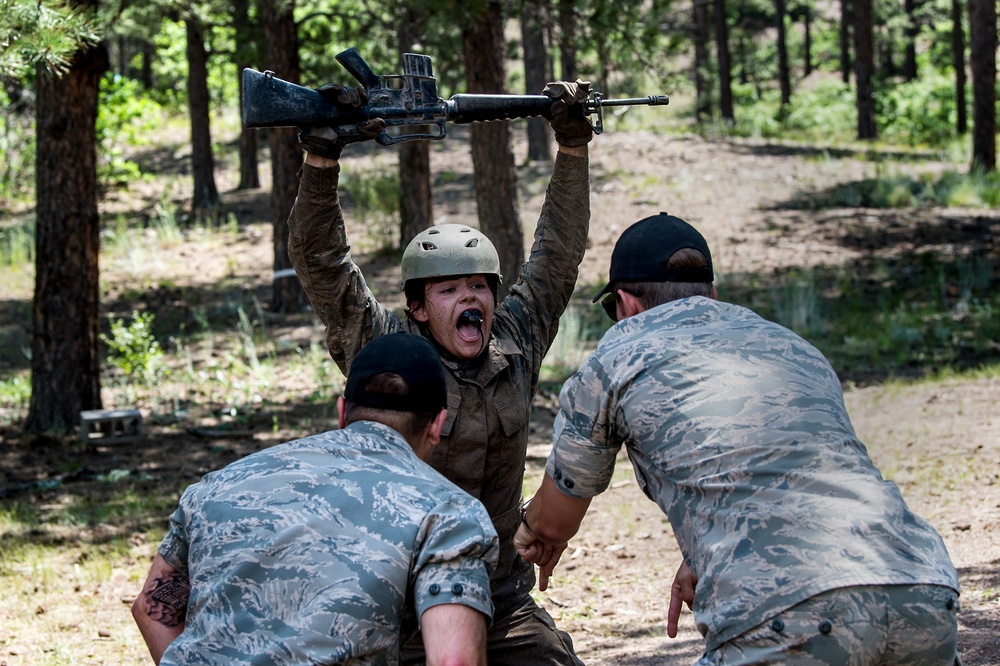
703, 96
958, 63
567, 41
807, 41
785, 78
492, 157
983, 51
910, 54
65, 363
724, 61
246, 45
846, 20
864, 65
206, 196
535, 76
146, 69
416, 199
281, 38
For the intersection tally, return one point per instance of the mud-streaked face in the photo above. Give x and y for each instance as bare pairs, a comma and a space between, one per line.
459, 313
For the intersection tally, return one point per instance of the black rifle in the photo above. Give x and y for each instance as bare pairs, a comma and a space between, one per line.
407, 99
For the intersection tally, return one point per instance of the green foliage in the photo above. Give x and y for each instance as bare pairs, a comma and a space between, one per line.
43, 33
822, 113
580, 328
15, 392
930, 312
170, 66
17, 243
890, 189
134, 350
921, 112
125, 117
374, 194
17, 150
607, 31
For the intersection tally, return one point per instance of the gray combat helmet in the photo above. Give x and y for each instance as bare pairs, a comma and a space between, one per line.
449, 249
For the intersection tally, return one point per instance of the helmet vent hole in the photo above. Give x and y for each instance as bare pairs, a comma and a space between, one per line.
473, 243
428, 246
433, 231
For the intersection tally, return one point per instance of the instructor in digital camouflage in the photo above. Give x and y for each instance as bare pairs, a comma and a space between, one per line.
795, 549
492, 351
325, 549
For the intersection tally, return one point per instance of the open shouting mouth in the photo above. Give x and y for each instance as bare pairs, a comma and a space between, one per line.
470, 325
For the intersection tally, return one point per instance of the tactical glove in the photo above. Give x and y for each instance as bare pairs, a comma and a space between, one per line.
345, 96
567, 114
329, 142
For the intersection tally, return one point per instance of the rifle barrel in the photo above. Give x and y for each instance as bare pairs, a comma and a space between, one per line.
651, 100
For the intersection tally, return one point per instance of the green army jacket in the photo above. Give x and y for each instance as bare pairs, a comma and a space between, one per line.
484, 440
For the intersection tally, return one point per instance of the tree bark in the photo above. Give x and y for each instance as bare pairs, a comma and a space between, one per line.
958, 63
807, 40
567, 40
784, 77
246, 46
864, 65
146, 68
206, 195
912, 29
703, 96
535, 75
724, 61
416, 199
982, 54
65, 363
492, 156
281, 38
846, 20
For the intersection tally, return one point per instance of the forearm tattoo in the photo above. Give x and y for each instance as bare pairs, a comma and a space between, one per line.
167, 599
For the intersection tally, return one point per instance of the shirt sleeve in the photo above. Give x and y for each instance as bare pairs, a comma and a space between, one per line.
545, 283
320, 252
585, 439
174, 547
456, 552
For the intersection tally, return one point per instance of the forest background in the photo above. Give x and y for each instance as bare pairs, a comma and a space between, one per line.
841, 153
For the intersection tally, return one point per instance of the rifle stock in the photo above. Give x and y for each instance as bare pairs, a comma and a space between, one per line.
270, 102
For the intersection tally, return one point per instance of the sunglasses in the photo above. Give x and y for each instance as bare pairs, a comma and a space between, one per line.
610, 305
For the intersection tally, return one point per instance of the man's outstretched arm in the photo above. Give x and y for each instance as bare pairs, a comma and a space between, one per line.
454, 635
160, 610
551, 519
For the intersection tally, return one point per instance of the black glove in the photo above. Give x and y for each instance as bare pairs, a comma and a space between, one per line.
567, 115
350, 98
329, 142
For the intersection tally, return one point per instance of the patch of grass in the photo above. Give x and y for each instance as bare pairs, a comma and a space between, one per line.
914, 316
904, 190
17, 243
15, 392
568, 349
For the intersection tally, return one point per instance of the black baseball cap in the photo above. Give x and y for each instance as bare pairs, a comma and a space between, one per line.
644, 249
405, 354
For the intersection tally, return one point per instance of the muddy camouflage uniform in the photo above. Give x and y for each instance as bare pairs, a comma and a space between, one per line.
737, 428
311, 551
484, 440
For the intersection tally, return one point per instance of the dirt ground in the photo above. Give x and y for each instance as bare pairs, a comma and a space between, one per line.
940, 442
